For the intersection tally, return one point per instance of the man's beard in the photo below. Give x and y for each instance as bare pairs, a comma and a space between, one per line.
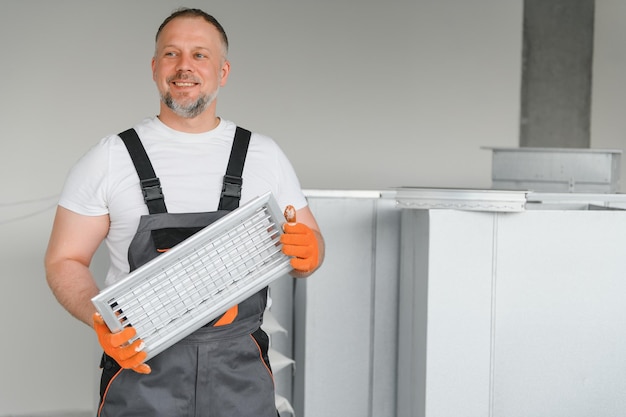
191, 110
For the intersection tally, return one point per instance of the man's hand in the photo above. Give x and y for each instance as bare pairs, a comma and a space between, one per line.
300, 241
128, 356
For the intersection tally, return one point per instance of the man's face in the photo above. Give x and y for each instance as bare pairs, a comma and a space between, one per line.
189, 65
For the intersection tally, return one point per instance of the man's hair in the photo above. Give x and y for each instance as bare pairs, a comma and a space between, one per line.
187, 12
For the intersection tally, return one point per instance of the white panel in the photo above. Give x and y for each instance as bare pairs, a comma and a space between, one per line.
514, 314
385, 304
560, 317
336, 353
459, 313
445, 307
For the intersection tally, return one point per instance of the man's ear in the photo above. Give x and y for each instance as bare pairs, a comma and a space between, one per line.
225, 72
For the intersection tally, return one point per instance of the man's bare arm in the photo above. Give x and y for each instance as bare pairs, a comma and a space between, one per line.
73, 242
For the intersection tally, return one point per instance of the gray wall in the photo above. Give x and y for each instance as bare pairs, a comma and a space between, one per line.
360, 95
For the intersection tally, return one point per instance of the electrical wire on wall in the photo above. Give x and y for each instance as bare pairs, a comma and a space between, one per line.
50, 203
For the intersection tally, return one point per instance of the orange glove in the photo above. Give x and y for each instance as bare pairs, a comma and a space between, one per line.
299, 241
128, 356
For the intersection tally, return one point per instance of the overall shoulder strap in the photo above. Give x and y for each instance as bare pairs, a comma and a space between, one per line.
231, 189
150, 184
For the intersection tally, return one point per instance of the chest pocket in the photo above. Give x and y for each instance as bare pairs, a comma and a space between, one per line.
168, 237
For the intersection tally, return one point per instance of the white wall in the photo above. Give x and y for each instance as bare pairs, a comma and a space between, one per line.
361, 94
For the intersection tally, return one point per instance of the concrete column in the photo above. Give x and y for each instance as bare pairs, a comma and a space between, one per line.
556, 74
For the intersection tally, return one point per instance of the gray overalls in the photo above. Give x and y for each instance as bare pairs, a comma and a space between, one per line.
221, 370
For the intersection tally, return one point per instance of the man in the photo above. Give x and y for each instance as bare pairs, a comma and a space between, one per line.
222, 369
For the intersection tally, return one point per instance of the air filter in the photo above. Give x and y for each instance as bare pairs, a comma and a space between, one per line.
197, 280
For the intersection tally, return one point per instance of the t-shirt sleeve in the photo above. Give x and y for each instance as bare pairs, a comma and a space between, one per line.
84, 191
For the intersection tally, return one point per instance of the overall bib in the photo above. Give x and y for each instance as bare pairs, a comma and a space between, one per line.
222, 369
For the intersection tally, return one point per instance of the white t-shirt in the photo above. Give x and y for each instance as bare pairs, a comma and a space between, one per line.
190, 167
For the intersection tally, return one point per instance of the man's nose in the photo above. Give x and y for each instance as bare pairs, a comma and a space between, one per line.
184, 63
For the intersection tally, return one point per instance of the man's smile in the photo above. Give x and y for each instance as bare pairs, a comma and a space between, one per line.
183, 80
183, 84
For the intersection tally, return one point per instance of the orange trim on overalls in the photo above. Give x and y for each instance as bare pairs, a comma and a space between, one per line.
228, 317
107, 390
269, 371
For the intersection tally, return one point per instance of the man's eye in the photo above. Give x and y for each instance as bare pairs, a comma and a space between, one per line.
199, 55
170, 53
